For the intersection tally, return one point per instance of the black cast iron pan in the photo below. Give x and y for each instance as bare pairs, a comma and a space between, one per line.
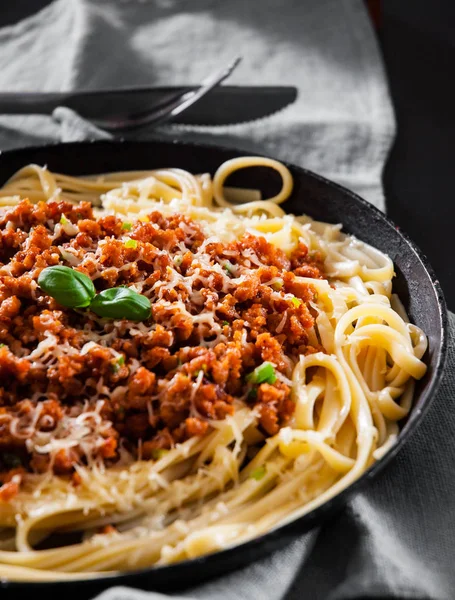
415, 283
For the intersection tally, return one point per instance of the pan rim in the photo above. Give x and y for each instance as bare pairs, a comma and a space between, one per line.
428, 395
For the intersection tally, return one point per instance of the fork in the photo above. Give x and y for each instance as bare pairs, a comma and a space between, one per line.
168, 109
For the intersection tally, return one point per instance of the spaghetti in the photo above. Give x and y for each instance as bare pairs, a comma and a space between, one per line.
271, 374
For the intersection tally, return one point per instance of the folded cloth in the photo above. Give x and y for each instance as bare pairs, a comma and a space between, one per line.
395, 539
341, 125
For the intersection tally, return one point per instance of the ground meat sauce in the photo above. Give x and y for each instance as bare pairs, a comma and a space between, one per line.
219, 310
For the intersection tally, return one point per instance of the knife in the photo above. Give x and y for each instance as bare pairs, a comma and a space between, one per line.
224, 105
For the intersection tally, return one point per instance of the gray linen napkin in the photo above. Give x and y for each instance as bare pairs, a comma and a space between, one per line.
341, 125
394, 540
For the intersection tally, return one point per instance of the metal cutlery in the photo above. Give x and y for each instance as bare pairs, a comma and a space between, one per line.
183, 105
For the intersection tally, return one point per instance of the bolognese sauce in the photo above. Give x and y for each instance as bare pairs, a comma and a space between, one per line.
75, 387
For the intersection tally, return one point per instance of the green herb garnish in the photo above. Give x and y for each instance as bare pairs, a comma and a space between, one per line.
265, 373
69, 287
2, 345
64, 220
121, 303
203, 369
119, 362
258, 473
225, 323
229, 267
130, 244
126, 226
75, 290
296, 301
277, 285
158, 453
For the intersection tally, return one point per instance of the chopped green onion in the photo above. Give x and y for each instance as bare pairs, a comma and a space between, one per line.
203, 369
265, 373
130, 244
121, 303
2, 345
296, 301
229, 267
64, 220
224, 323
258, 473
126, 226
118, 363
277, 285
158, 453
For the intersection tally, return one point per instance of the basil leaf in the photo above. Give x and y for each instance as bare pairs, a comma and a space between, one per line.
69, 287
121, 303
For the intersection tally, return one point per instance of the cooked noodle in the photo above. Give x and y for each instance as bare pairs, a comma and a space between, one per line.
235, 481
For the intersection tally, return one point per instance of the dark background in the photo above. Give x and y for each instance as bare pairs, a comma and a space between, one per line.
418, 43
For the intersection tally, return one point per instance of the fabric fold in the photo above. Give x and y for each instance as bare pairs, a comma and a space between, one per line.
341, 125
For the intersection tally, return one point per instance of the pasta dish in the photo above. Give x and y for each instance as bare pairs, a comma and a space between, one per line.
183, 367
